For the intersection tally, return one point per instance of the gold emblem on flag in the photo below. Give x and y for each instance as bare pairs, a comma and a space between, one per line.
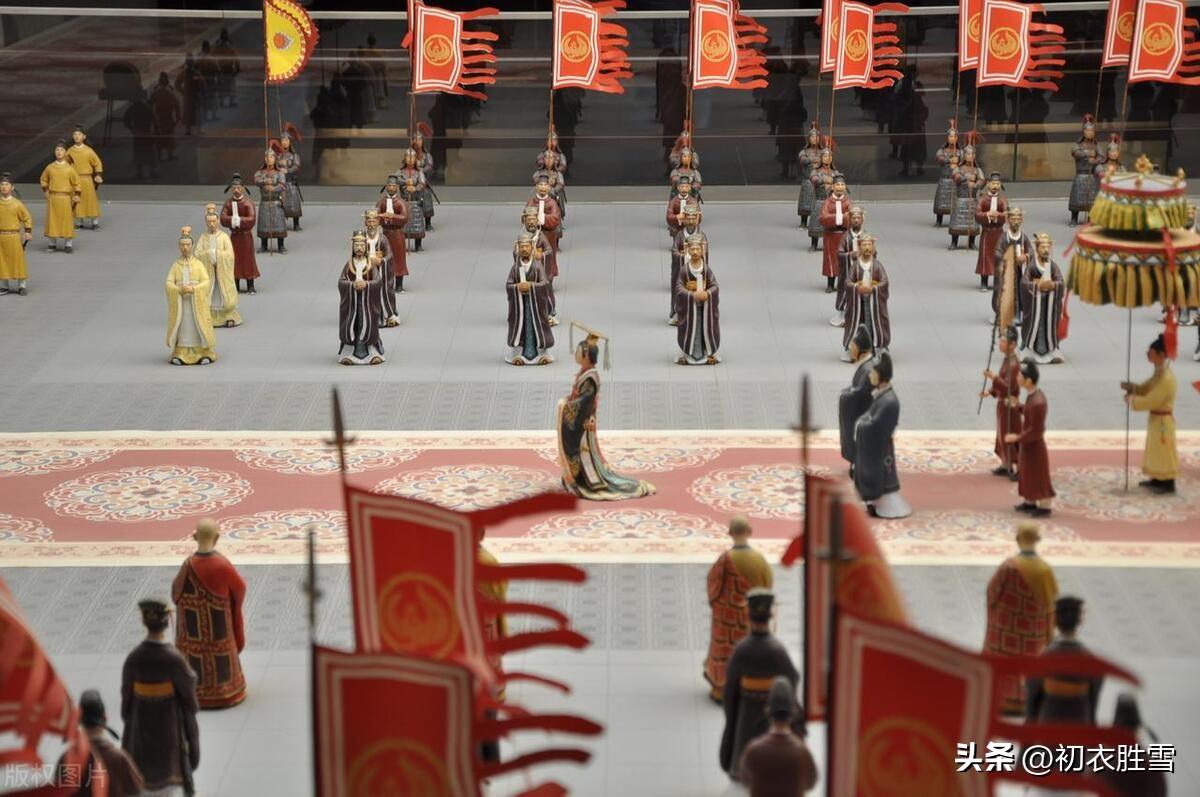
416, 615
715, 45
438, 50
974, 26
833, 28
1125, 26
575, 46
398, 766
1158, 38
863, 584
904, 750
856, 45
1004, 43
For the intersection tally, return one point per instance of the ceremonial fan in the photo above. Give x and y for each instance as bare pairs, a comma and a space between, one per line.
1136, 251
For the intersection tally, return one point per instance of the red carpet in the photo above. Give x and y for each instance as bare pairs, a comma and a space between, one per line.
130, 497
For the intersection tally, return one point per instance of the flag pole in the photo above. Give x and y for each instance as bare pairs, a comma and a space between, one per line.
818, 91
551, 114
279, 110
805, 426
832, 107
831, 633
266, 74
1099, 90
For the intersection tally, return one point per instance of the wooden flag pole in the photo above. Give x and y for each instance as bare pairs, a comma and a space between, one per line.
818, 91
832, 108
805, 427
551, 113
266, 118
1099, 91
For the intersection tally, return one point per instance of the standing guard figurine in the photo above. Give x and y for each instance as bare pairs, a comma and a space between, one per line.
991, 212
835, 217
867, 299
288, 161
424, 161
549, 214
272, 185
1087, 156
215, 251
414, 230
809, 158
1012, 253
685, 168
415, 181
1033, 459
60, 184
943, 197
691, 226
16, 230
360, 286
821, 178
1042, 294
393, 215
847, 258
697, 307
1006, 389
968, 179
543, 250
530, 298
190, 335
87, 165
855, 399
681, 197
1156, 397
875, 474
379, 252
237, 215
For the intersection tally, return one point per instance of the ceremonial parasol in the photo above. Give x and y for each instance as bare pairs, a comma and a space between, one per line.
1136, 251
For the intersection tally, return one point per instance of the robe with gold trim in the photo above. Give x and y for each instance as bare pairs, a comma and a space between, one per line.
208, 595
1156, 396
190, 334
1020, 616
215, 251
735, 573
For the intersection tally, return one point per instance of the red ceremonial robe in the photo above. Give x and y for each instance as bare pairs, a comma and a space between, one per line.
245, 267
990, 235
208, 594
393, 227
1034, 469
1008, 418
675, 213
1020, 617
551, 213
833, 231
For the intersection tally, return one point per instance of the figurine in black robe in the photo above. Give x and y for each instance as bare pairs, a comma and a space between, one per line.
361, 287
529, 303
1062, 698
875, 475
854, 400
697, 307
756, 662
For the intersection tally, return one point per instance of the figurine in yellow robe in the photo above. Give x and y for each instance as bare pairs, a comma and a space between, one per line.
16, 230
1156, 396
215, 251
190, 334
87, 165
60, 184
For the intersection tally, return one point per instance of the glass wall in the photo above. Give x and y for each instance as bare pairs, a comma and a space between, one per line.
170, 100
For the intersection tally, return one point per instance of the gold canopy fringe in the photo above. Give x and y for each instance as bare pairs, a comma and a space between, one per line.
1097, 279
1138, 215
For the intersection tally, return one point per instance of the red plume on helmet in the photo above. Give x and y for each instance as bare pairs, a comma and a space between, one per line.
292, 132
425, 130
972, 138
828, 143
275, 146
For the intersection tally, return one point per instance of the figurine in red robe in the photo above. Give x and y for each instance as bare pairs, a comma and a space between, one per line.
991, 213
1033, 460
835, 218
1006, 389
549, 215
393, 215
238, 216
208, 595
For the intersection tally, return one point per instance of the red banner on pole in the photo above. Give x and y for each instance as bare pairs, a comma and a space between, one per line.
970, 28
830, 22
589, 52
1014, 47
1118, 32
446, 57
1164, 44
868, 49
721, 55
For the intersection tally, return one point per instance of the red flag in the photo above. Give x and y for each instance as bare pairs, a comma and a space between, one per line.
864, 583
1164, 44
889, 740
1064, 321
588, 52
970, 26
1013, 43
390, 724
414, 578
867, 49
1118, 32
721, 55
830, 20
445, 56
